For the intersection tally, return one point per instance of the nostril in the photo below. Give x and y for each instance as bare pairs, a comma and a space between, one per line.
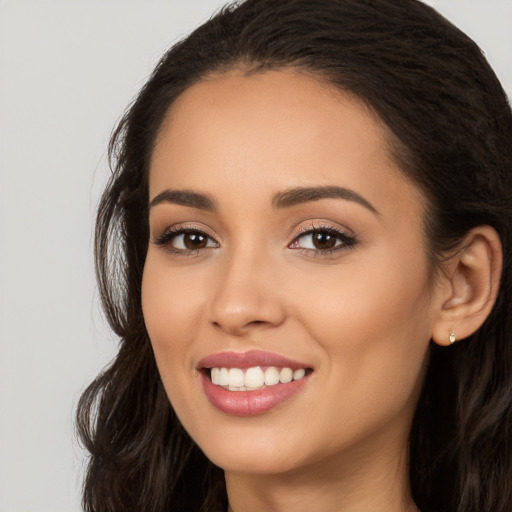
239, 328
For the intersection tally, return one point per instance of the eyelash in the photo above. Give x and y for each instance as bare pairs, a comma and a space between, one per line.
173, 232
343, 240
346, 241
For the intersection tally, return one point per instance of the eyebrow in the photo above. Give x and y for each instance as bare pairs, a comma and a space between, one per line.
185, 198
281, 200
301, 195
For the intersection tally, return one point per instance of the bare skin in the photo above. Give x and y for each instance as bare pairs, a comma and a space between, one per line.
359, 310
325, 487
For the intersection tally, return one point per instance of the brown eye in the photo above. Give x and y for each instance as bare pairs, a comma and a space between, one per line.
194, 240
320, 240
186, 240
323, 240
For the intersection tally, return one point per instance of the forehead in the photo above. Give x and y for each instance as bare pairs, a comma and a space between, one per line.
271, 131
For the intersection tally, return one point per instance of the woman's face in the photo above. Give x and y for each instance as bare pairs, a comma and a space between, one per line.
282, 235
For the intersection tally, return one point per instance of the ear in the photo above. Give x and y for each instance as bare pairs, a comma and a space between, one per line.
470, 286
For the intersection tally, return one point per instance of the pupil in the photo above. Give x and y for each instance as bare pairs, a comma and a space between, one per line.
323, 240
194, 241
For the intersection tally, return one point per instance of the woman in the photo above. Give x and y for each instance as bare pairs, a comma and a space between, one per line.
305, 250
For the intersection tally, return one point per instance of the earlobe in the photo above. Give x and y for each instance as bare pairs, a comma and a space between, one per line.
472, 284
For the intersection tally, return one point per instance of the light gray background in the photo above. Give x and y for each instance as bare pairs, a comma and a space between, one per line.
68, 69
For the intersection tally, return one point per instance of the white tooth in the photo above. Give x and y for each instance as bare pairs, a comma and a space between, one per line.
214, 373
224, 377
254, 377
298, 374
271, 376
236, 377
236, 388
286, 375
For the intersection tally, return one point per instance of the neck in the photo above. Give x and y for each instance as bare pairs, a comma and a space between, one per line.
357, 484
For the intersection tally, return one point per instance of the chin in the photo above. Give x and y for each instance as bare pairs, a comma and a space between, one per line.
252, 450
253, 463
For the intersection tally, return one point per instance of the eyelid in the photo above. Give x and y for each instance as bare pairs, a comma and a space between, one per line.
181, 227
323, 225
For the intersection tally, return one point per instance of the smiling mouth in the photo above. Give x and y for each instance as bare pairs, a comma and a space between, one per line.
254, 378
252, 382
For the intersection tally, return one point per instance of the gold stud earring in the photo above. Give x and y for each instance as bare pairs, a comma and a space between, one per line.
452, 337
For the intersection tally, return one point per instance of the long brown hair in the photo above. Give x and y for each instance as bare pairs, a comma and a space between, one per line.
435, 91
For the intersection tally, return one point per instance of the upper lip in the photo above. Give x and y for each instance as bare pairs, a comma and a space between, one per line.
249, 359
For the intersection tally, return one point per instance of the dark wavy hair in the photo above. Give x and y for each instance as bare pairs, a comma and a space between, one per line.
433, 88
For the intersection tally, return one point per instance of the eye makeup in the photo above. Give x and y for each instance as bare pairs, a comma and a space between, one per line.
317, 239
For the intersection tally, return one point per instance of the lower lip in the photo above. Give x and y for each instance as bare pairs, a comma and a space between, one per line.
250, 403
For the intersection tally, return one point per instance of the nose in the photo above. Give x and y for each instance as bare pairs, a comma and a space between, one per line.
248, 296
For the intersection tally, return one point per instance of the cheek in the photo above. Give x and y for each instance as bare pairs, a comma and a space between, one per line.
377, 290
373, 326
172, 305
370, 307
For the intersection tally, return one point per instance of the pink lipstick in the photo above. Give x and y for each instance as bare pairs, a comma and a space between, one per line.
250, 383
